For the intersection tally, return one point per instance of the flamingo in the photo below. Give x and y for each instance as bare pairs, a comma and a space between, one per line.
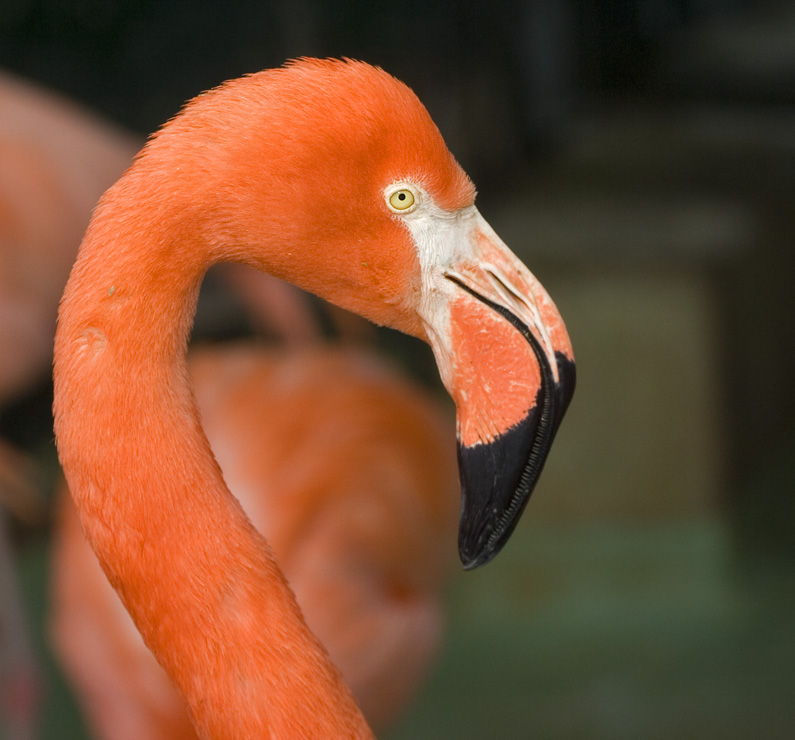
358, 519
328, 174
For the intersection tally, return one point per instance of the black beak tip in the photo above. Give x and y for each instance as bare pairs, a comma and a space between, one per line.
474, 559
481, 540
498, 477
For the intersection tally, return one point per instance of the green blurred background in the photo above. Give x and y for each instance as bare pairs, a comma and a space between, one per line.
639, 156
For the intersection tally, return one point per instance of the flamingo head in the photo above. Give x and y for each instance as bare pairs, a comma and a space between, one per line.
338, 171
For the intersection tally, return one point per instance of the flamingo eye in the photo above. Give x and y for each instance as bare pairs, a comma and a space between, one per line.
402, 200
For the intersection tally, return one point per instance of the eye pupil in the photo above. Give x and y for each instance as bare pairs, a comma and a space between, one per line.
401, 196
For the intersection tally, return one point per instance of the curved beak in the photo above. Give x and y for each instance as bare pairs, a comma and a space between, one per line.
506, 359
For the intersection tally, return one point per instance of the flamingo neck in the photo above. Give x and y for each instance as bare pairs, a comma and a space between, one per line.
199, 581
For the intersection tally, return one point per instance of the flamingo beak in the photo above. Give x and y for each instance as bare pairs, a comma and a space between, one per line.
510, 370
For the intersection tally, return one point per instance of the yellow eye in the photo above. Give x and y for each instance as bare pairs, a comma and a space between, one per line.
401, 200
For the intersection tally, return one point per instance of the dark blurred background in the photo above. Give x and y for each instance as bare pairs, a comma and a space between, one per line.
639, 156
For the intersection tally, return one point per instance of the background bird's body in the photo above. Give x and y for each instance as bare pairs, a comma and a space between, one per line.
55, 161
349, 472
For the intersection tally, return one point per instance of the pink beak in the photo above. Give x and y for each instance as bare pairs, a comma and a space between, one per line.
510, 370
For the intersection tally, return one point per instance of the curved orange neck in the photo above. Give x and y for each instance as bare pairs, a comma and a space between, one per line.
199, 581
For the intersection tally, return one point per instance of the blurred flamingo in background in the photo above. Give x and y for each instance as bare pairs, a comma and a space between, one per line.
332, 176
55, 162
